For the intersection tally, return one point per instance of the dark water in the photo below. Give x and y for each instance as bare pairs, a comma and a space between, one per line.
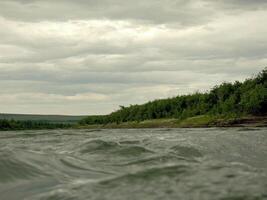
217, 164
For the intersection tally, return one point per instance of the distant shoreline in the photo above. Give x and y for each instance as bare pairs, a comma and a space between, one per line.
201, 121
193, 122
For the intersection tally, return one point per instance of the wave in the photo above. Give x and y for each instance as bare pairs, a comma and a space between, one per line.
105, 147
98, 145
149, 174
132, 151
72, 165
156, 160
12, 168
248, 129
186, 152
134, 164
130, 142
27, 134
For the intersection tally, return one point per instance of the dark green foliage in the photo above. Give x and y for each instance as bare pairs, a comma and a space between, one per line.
249, 98
60, 119
255, 101
22, 125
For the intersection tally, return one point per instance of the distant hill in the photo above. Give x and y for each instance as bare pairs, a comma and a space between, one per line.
42, 118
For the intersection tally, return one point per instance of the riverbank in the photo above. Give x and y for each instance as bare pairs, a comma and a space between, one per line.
203, 121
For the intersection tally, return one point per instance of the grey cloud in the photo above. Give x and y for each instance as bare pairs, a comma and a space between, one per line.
127, 54
108, 82
238, 4
91, 56
182, 12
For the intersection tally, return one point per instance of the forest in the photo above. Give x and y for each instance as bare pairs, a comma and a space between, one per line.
238, 98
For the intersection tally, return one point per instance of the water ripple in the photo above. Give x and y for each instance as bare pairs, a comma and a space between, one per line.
188, 164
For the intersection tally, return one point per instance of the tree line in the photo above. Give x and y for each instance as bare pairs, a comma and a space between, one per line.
239, 98
30, 125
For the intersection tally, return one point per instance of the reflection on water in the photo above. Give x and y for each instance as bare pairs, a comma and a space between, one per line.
229, 163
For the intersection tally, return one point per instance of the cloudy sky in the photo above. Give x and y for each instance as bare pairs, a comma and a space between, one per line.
90, 56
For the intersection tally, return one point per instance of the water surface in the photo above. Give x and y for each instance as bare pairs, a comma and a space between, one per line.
216, 163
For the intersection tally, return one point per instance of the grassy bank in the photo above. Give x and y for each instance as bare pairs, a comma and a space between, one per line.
192, 122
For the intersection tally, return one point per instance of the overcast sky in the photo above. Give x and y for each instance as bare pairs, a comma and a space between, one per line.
90, 56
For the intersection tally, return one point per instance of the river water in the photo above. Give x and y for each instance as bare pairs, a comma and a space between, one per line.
143, 164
